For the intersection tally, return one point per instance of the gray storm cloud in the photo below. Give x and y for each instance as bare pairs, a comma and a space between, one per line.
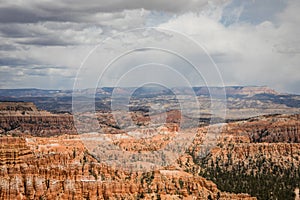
42, 43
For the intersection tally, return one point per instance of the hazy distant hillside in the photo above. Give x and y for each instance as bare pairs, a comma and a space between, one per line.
241, 101
230, 90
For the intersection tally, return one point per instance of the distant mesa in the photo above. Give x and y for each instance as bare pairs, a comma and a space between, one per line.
18, 106
250, 90
23, 118
235, 90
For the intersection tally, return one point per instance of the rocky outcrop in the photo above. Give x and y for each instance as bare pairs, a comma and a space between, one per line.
275, 138
17, 106
259, 156
37, 125
249, 90
13, 151
61, 168
19, 118
270, 129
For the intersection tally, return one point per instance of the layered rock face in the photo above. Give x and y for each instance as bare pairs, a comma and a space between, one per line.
259, 156
237, 90
61, 168
274, 139
18, 106
250, 90
19, 118
270, 129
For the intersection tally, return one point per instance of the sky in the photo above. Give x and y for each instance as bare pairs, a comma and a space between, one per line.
66, 44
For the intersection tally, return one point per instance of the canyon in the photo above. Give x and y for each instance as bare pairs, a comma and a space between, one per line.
253, 153
61, 168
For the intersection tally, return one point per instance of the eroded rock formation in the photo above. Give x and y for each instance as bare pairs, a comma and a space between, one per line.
19, 118
61, 168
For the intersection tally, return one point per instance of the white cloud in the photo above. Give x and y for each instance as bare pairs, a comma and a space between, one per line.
257, 52
262, 54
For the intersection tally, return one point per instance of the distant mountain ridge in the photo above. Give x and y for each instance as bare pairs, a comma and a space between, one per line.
230, 90
247, 101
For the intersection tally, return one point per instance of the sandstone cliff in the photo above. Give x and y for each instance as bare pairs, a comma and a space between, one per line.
61, 168
19, 118
259, 156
